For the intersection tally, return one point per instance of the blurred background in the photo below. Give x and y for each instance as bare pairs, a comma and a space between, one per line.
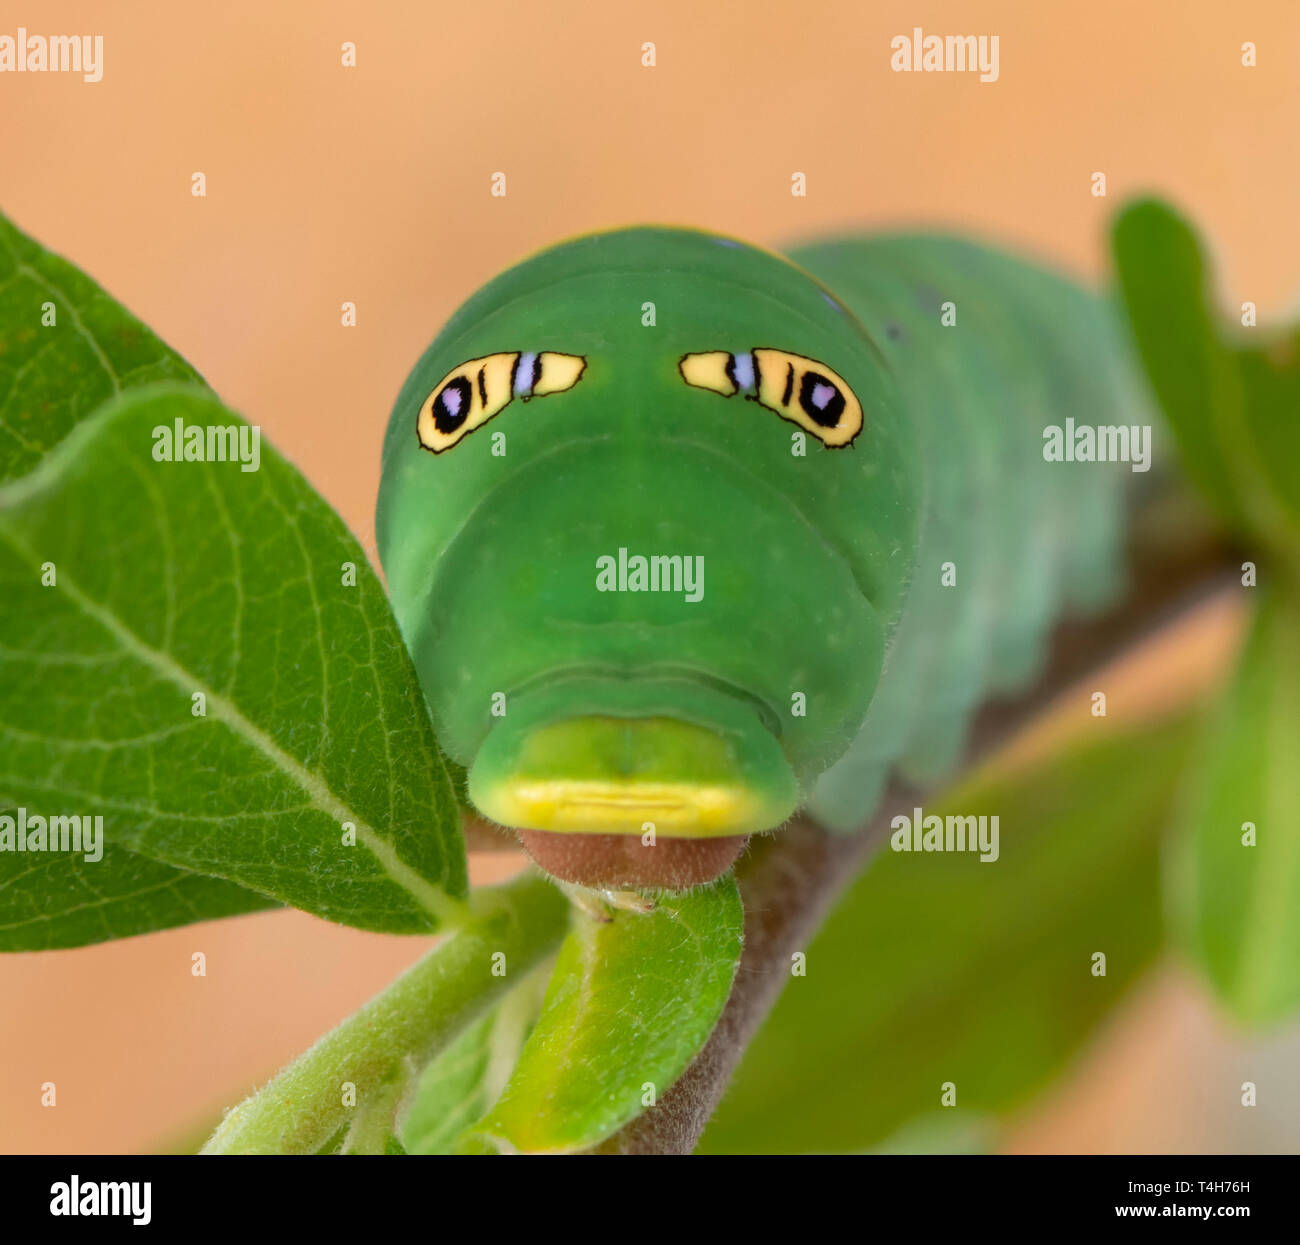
371, 184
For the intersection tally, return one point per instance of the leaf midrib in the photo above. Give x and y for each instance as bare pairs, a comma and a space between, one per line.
442, 907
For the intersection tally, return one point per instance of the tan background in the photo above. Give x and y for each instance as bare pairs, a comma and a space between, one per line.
371, 184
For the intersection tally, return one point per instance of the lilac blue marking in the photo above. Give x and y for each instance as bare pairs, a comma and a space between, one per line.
742, 371
525, 374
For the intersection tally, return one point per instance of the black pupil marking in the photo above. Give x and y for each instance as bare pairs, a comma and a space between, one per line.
448, 416
821, 407
730, 370
789, 384
482, 388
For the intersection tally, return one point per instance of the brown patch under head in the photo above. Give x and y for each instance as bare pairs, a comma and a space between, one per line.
624, 862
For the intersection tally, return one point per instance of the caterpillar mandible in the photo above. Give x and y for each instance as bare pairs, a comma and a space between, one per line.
684, 536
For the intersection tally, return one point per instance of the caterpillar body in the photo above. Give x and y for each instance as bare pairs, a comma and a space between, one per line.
684, 536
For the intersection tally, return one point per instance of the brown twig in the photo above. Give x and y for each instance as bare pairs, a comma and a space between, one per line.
790, 880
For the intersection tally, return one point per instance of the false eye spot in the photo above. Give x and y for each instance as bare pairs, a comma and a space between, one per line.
821, 399
810, 394
451, 405
471, 394
797, 388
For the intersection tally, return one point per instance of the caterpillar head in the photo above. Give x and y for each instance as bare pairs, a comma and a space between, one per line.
647, 511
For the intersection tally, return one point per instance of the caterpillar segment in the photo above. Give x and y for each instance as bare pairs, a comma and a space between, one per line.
684, 537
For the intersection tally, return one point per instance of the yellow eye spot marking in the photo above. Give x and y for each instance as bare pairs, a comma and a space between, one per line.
557, 372
809, 394
710, 369
802, 390
465, 399
471, 394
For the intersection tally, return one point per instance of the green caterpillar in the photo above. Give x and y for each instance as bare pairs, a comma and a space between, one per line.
684, 536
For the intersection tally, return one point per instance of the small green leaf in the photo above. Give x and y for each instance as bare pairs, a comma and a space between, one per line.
1230, 393
54, 375
468, 1077
206, 672
938, 967
345, 1080
1238, 872
371, 1128
450, 1093
630, 1003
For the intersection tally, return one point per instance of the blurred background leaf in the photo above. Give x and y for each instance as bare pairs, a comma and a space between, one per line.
630, 1002
1236, 874
1231, 394
940, 1133
937, 967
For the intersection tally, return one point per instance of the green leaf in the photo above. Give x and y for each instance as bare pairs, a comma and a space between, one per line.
458, 776
1239, 904
468, 1077
630, 1003
1230, 393
1270, 383
177, 580
451, 1093
347, 1079
940, 1133
370, 1130
50, 900
52, 376
938, 967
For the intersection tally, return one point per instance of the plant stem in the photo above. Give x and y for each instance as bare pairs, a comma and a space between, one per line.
405, 1026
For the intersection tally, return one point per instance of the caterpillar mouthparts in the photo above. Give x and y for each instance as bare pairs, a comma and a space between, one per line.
624, 861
